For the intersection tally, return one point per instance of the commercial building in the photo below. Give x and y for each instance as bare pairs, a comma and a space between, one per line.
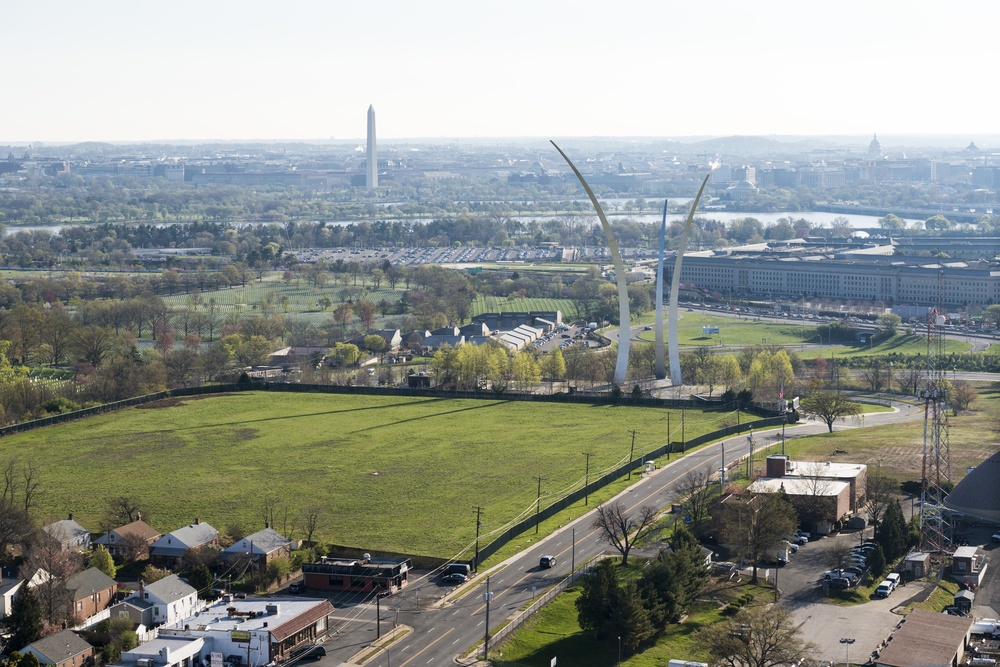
854, 474
251, 632
357, 575
925, 639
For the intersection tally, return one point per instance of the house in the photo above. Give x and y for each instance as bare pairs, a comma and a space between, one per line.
264, 545
126, 541
91, 592
63, 649
9, 588
171, 599
169, 549
266, 630
968, 566
358, 575
70, 535
138, 610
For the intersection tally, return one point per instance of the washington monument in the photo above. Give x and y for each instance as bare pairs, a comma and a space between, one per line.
371, 158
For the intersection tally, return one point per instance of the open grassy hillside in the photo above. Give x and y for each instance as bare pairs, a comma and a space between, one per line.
390, 472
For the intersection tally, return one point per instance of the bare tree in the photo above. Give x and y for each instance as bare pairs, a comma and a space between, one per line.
756, 525
758, 636
696, 491
812, 505
57, 566
132, 547
125, 509
879, 492
873, 376
620, 529
310, 520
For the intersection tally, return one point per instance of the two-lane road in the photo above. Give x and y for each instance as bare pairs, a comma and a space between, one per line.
440, 632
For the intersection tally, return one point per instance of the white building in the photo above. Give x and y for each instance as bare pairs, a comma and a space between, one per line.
171, 598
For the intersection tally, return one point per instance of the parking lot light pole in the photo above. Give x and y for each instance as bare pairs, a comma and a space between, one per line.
847, 641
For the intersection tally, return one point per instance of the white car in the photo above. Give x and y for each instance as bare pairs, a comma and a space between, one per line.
996, 537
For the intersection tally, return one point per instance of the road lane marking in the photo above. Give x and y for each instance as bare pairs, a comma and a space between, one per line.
427, 647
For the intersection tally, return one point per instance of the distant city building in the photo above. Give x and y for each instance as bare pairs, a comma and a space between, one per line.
874, 148
371, 155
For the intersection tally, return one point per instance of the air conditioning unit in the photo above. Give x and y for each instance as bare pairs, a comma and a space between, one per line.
144, 662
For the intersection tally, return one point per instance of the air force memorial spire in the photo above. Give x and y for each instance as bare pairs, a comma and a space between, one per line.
371, 156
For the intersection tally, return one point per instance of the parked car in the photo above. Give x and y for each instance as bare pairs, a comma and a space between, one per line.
894, 578
454, 578
310, 652
804, 534
884, 589
296, 587
996, 537
798, 540
840, 583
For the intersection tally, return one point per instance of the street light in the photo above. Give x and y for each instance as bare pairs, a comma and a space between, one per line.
619, 650
890, 377
847, 641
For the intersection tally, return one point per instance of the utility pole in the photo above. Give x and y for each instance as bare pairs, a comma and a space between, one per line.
538, 501
487, 597
586, 483
479, 523
722, 474
669, 446
631, 454
683, 441
378, 615
572, 560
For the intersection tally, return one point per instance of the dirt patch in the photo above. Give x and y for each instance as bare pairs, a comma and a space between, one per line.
245, 434
165, 403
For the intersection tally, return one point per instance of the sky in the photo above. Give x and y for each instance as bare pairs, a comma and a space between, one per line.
127, 70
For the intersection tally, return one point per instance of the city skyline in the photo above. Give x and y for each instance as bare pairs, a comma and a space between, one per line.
137, 72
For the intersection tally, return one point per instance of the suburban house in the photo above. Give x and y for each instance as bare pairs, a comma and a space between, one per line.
171, 600
138, 610
358, 575
263, 546
91, 592
266, 630
169, 549
125, 539
63, 649
70, 535
9, 588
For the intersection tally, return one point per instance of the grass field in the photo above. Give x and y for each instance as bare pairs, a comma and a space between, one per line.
392, 473
495, 304
732, 331
554, 631
898, 448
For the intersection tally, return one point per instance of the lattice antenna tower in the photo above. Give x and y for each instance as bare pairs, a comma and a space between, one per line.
935, 528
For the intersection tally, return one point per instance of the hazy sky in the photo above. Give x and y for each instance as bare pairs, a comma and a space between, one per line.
208, 69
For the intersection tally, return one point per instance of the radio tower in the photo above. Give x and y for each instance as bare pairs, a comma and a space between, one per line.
935, 529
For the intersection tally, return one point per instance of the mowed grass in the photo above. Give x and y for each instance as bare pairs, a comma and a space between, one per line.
898, 448
391, 473
496, 304
732, 331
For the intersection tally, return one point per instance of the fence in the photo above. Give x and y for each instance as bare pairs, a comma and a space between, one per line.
522, 526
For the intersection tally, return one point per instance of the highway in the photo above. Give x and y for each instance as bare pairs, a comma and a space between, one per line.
445, 628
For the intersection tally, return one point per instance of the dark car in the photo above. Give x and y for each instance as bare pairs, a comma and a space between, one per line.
840, 583
296, 587
547, 561
454, 578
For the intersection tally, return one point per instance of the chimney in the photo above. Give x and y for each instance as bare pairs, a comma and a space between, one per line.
142, 589
197, 521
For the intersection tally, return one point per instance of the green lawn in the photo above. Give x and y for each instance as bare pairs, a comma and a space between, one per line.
732, 331
495, 304
392, 473
554, 632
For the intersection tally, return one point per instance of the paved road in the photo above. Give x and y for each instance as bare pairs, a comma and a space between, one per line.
443, 630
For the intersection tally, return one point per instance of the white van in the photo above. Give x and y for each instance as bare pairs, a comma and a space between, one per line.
884, 589
894, 578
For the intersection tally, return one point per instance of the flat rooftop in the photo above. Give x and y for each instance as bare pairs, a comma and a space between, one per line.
799, 486
825, 469
246, 615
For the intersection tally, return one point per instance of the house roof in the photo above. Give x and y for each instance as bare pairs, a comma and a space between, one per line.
139, 529
285, 630
10, 585
926, 639
60, 646
188, 537
66, 530
264, 542
170, 589
82, 584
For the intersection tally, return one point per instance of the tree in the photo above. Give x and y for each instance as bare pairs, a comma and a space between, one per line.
877, 562
122, 636
125, 509
102, 560
892, 536
200, 578
961, 396
757, 636
54, 598
596, 603
696, 491
554, 366
757, 525
889, 323
311, 518
829, 406
811, 505
151, 573
25, 622
622, 530
374, 343
879, 492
